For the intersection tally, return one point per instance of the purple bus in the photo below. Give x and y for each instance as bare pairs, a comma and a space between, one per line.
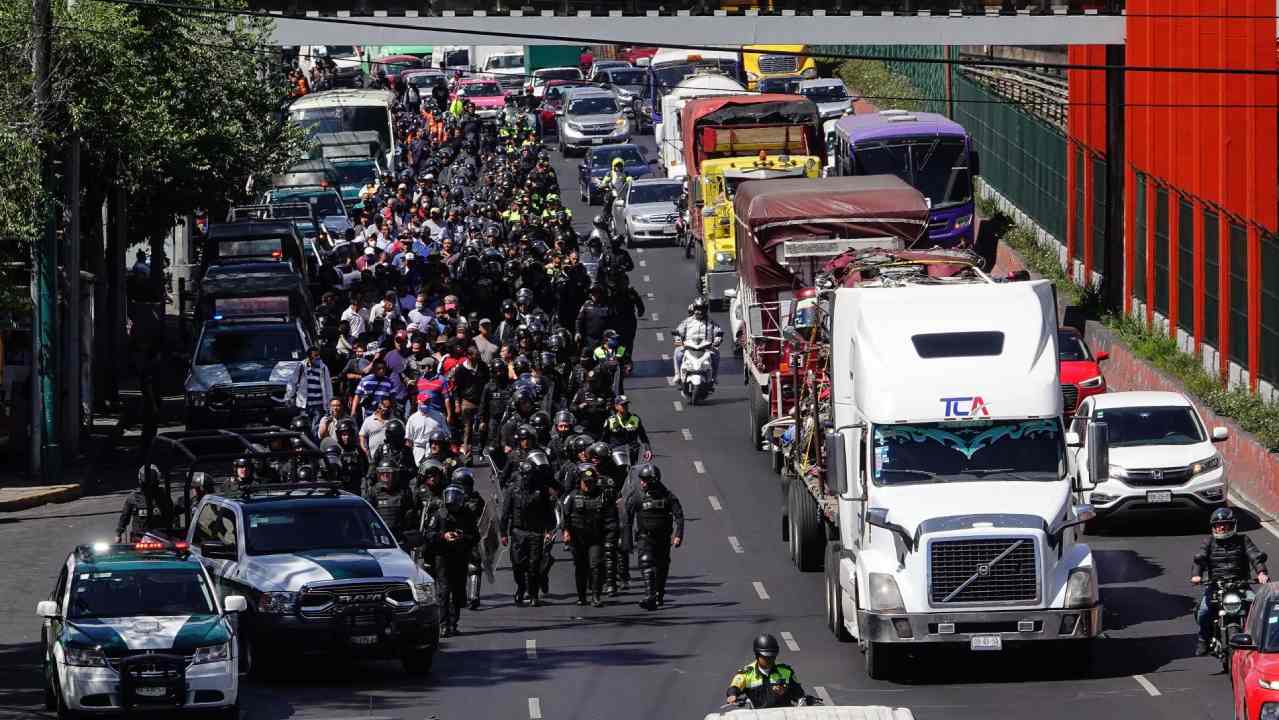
932, 153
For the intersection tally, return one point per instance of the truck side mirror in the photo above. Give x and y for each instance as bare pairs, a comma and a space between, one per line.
1098, 454
843, 453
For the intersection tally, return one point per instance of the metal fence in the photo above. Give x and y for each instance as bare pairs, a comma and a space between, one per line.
1269, 369
463, 8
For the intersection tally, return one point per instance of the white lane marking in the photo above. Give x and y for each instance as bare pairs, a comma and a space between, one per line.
737, 546
666, 356
647, 279
714, 503
790, 642
825, 696
1147, 685
688, 434
661, 337
643, 263
534, 709
699, 467
530, 649
760, 591
650, 296
654, 317
639, 250
670, 380
679, 406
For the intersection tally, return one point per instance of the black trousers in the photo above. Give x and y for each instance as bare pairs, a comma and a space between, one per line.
654, 554
526, 561
451, 581
588, 565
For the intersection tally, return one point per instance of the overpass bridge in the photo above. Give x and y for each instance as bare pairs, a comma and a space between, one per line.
646, 22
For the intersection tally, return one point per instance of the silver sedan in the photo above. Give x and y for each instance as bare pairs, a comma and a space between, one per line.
646, 213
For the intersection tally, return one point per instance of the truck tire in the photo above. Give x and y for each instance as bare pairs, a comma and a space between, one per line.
758, 415
834, 601
807, 535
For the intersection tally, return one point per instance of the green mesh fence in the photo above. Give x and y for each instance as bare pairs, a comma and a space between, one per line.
1269, 370
929, 79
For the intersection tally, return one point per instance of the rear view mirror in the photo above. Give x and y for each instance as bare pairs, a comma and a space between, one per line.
1242, 641
836, 479
1101, 355
235, 604
47, 609
1098, 453
1220, 433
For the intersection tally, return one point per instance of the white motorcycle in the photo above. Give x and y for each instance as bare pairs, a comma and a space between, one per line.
696, 377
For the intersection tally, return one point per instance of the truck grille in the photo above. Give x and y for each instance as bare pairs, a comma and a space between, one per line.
769, 64
597, 129
141, 665
1069, 398
247, 396
999, 571
1157, 477
319, 600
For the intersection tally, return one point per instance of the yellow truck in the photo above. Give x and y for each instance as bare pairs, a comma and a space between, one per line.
776, 62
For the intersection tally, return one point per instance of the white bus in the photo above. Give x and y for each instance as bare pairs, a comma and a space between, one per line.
349, 111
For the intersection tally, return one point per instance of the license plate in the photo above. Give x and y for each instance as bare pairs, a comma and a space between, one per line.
597, 141
364, 639
152, 691
986, 642
1159, 496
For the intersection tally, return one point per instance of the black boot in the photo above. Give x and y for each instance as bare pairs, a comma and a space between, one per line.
1201, 647
650, 589
598, 602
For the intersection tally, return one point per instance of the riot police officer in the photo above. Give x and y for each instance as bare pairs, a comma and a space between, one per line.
475, 505
393, 451
590, 521
147, 508
393, 500
449, 533
527, 520
659, 520
243, 472
612, 478
349, 463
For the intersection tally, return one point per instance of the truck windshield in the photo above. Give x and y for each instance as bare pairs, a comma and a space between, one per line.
1131, 426
825, 93
505, 62
329, 527
967, 451
133, 593
937, 167
356, 172
667, 77
346, 118
238, 345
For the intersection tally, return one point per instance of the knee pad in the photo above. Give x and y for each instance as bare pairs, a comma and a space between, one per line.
646, 560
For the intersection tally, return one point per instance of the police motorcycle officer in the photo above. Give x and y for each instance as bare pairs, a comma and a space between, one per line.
590, 521
764, 682
1225, 555
527, 521
659, 521
450, 533
147, 508
393, 500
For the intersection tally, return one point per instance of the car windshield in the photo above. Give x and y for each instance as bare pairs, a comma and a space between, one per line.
560, 74
345, 118
425, 80
825, 93
1071, 347
457, 58
937, 167
238, 345
655, 193
1168, 425
261, 248
506, 62
593, 106
337, 51
349, 526
480, 89
604, 158
356, 172
968, 450
667, 77
398, 67
778, 85
325, 204
163, 592
627, 77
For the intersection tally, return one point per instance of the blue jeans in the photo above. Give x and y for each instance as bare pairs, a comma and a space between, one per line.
1204, 614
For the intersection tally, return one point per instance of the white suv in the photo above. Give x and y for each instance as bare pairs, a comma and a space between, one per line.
1161, 455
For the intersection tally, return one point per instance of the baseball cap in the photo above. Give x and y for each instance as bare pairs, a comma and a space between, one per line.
485, 321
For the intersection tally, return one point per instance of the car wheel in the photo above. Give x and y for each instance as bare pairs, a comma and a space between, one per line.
418, 662
835, 594
64, 712
231, 713
50, 697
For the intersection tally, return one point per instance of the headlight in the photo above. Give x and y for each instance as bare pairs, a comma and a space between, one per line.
621, 122
723, 260
1232, 603
212, 654
1269, 711
751, 76
1115, 473
277, 603
1093, 382
424, 591
574, 126
884, 595
84, 657
195, 399
1268, 684
1081, 590
1204, 466
963, 221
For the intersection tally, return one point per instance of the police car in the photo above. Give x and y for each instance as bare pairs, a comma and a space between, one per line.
321, 573
138, 627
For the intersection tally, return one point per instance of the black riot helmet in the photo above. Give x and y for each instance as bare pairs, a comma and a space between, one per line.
431, 468
524, 296
564, 417
525, 432
438, 437
242, 462
300, 424
1223, 523
395, 433
541, 421
148, 477
580, 444
306, 474
766, 646
464, 478
386, 472
346, 426
601, 452
526, 469
522, 364
649, 473
454, 497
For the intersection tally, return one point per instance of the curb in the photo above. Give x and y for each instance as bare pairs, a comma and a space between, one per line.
54, 494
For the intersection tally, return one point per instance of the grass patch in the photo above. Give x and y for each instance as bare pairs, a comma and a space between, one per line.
1246, 408
872, 79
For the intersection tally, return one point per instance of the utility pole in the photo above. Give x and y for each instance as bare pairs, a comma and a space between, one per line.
46, 459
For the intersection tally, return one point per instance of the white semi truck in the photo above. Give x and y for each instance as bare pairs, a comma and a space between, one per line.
926, 461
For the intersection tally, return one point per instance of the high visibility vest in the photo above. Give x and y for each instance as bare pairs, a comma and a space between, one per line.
750, 677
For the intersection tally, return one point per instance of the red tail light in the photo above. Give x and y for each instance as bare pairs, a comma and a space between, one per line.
146, 545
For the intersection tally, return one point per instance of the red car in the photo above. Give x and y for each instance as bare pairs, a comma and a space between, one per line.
553, 99
1079, 368
395, 65
633, 54
1254, 664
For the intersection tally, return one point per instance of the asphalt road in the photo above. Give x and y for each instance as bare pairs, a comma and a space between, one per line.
730, 581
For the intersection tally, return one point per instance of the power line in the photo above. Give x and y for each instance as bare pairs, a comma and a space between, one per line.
704, 48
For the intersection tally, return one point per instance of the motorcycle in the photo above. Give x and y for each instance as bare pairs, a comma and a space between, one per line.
696, 377
744, 703
1232, 598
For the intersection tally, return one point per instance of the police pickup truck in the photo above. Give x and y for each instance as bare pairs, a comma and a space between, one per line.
138, 627
321, 572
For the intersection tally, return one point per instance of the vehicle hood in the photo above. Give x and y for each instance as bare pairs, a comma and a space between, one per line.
605, 119
1265, 665
1072, 371
203, 377
1159, 456
830, 109
646, 209
179, 633
912, 505
290, 571
635, 170
488, 102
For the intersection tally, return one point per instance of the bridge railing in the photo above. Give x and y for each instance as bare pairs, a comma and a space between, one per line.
571, 8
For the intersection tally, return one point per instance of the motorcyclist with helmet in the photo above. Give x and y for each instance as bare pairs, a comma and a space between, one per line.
658, 519
450, 532
696, 329
149, 507
1225, 555
765, 682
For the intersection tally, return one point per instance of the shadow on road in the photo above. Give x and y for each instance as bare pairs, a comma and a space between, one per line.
21, 693
1125, 566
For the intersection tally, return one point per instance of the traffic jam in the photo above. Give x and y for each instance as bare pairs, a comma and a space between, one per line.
463, 369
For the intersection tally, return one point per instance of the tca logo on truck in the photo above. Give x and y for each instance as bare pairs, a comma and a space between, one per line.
965, 407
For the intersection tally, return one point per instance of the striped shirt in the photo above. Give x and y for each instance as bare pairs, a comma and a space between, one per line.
314, 386
373, 388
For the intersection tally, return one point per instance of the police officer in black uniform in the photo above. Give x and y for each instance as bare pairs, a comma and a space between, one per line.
148, 507
590, 521
349, 464
1226, 555
493, 403
243, 473
393, 450
524, 438
393, 500
449, 533
475, 505
611, 481
527, 520
579, 451
659, 522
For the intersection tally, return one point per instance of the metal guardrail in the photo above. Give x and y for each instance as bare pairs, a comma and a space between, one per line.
575, 8
1036, 93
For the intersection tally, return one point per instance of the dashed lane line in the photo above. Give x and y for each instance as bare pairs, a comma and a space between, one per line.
670, 380
699, 467
647, 279
530, 649
534, 709
1148, 686
643, 263
679, 406
661, 337
736, 545
650, 296
760, 591
714, 503
789, 639
688, 434
821, 692
654, 317
666, 356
